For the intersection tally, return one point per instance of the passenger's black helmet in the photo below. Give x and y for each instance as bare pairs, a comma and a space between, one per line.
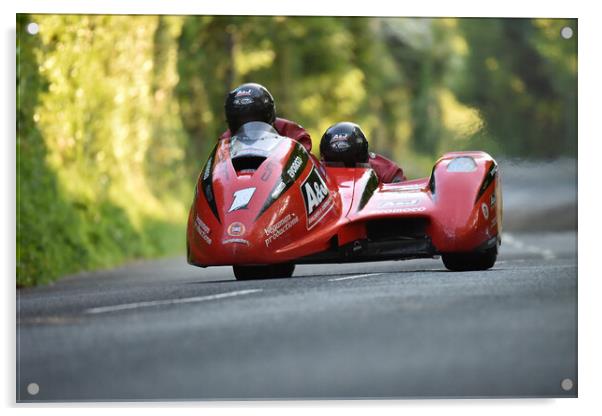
345, 143
249, 102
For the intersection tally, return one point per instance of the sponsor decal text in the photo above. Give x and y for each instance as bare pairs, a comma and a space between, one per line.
203, 230
236, 229
276, 230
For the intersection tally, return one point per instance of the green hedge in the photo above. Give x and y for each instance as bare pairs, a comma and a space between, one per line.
100, 146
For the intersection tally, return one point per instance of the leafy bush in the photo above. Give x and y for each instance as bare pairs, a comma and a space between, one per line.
100, 144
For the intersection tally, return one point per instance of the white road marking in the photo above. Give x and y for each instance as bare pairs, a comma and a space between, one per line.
355, 276
519, 245
137, 305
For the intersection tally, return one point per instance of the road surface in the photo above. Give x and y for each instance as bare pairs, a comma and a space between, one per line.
163, 330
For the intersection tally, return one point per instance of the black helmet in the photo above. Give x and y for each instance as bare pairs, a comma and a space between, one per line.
249, 102
344, 142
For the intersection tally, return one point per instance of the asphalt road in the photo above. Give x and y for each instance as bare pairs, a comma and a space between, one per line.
164, 330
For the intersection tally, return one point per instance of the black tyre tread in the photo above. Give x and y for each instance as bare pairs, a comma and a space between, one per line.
463, 262
272, 271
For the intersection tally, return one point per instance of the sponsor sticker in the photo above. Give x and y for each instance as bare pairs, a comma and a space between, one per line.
292, 171
243, 93
236, 229
492, 201
398, 203
279, 188
203, 230
404, 188
243, 101
236, 241
274, 231
340, 146
339, 143
241, 199
401, 210
316, 197
485, 210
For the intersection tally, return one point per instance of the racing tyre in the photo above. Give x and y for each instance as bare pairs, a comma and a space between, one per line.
462, 262
271, 271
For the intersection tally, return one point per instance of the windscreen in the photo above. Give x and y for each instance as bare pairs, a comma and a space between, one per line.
254, 139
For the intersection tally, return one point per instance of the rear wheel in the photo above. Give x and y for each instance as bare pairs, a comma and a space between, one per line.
271, 271
462, 262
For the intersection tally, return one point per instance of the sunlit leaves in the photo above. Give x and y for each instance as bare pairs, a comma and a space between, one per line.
109, 171
459, 120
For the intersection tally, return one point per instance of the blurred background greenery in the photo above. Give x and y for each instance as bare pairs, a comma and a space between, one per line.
116, 114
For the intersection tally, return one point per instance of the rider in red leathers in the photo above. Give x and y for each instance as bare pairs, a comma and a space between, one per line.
346, 143
253, 102
386, 170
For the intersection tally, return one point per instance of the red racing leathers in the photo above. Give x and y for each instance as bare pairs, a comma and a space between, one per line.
386, 170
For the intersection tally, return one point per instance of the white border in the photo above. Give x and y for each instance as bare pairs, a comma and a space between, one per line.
462, 8
590, 135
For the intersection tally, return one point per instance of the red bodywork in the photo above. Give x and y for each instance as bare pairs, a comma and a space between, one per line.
262, 199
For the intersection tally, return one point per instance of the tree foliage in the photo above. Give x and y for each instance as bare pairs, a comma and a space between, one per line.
100, 144
522, 75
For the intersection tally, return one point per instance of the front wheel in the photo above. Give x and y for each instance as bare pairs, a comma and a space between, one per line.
463, 262
270, 271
